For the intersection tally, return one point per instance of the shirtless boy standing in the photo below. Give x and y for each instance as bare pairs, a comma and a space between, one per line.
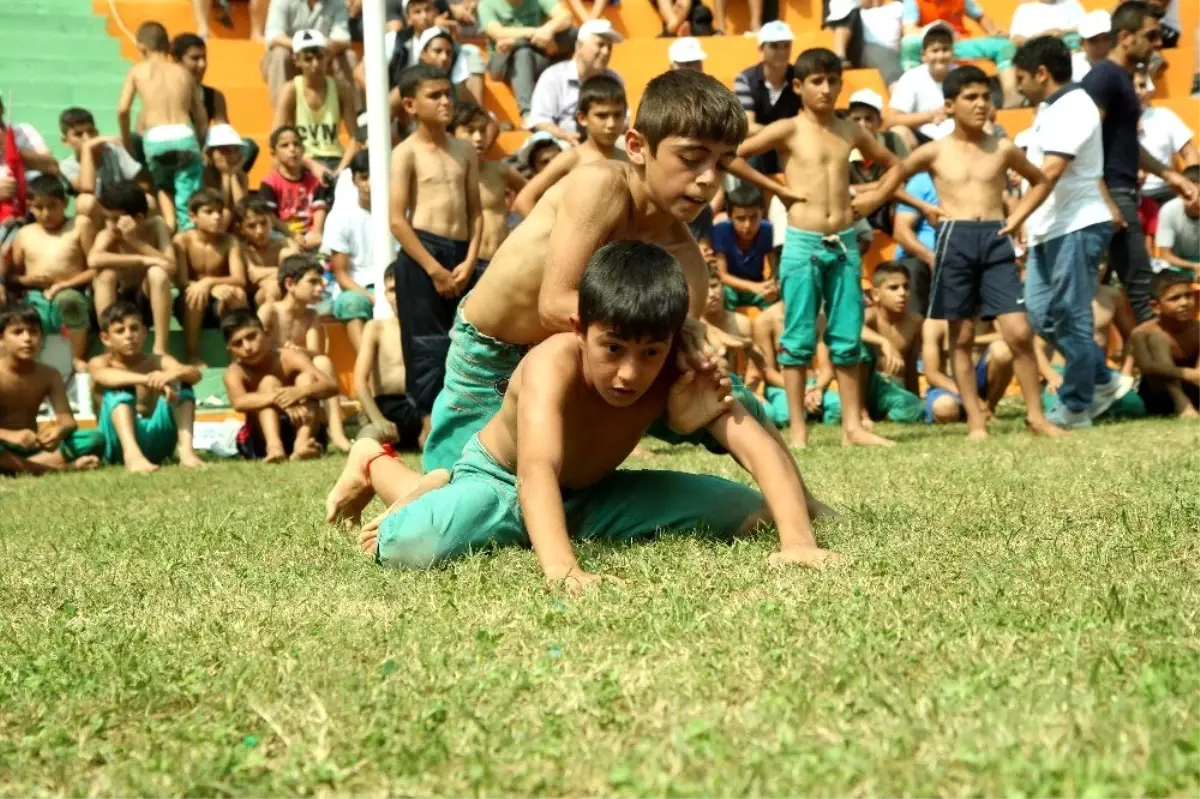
211, 274
379, 379
172, 112
821, 262
496, 180
975, 269
1167, 349
50, 260
24, 385
437, 218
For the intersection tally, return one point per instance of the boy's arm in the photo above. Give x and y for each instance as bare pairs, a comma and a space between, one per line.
912, 380
314, 335
931, 357
760, 330
183, 264
124, 108
88, 154
1152, 354
317, 226
514, 181
891, 359
733, 281
892, 178
905, 235
824, 367
105, 375
591, 206
1039, 188
85, 235
242, 400
742, 170
1178, 183
349, 106
474, 213
339, 264
401, 183
555, 171
1174, 260
100, 256
321, 386
767, 138
199, 115
184, 373
64, 420
285, 107
364, 366
237, 267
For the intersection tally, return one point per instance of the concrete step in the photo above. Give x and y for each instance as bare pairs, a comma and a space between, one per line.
19, 21
50, 66
94, 90
64, 50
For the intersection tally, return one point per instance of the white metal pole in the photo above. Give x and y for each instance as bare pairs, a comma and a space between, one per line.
379, 142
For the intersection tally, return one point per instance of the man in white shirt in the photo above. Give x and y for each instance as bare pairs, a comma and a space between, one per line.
1095, 34
1164, 135
1045, 18
917, 109
556, 95
1068, 234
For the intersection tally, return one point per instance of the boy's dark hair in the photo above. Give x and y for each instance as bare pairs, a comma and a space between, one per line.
1130, 16
1048, 52
124, 196
412, 78
636, 288
360, 164
689, 104
205, 197
745, 195
465, 114
962, 77
938, 34
817, 61
254, 204
153, 36
20, 312
184, 42
277, 134
238, 319
118, 311
390, 272
408, 5
886, 269
297, 266
47, 186
600, 89
1165, 280
1192, 173
75, 116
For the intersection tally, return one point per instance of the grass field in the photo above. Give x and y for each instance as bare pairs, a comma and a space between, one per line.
1020, 618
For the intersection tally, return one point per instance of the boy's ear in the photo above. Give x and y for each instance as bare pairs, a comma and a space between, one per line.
575, 326
797, 85
635, 147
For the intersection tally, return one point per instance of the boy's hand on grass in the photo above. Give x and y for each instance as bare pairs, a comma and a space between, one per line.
810, 557
196, 295
577, 581
695, 399
461, 275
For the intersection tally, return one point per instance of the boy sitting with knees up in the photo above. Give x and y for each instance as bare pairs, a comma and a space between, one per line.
1167, 349
50, 260
379, 378
892, 339
95, 160
24, 385
544, 469
210, 272
744, 249
262, 248
292, 322
992, 370
279, 391
298, 198
148, 405
133, 258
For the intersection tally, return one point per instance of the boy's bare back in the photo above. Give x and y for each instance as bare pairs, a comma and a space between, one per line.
167, 90
387, 369
589, 208
970, 176
22, 393
57, 254
437, 196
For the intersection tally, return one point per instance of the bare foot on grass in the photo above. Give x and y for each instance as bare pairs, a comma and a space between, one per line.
140, 466
977, 434
85, 464
809, 557
865, 438
352, 492
1044, 428
190, 460
275, 455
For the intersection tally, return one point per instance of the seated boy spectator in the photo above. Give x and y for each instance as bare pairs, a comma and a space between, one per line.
745, 251
133, 258
379, 379
892, 330
766, 90
497, 180
148, 404
537, 152
263, 248
224, 170
1167, 349
286, 18
601, 118
314, 104
558, 431
867, 35
993, 373
279, 391
173, 116
1033, 18
1165, 136
524, 37
916, 239
191, 52
866, 111
50, 260
24, 385
210, 271
917, 108
1178, 235
436, 47
298, 199
727, 329
920, 17
352, 260
1095, 40
96, 160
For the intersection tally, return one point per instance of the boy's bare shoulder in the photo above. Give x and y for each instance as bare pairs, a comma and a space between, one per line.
460, 149
555, 359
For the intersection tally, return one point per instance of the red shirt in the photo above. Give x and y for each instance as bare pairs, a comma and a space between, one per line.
1148, 216
294, 201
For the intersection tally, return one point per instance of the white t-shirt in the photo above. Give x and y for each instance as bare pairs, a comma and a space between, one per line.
1033, 17
1068, 124
348, 230
1080, 66
1177, 231
27, 138
917, 91
882, 24
1163, 134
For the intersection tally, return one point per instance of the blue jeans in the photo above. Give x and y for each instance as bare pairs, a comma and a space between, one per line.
1060, 280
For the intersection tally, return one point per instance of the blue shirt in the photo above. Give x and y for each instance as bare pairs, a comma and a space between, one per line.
920, 186
1111, 87
750, 264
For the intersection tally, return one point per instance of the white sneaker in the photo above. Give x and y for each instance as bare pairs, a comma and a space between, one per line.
1103, 396
1062, 416
1125, 384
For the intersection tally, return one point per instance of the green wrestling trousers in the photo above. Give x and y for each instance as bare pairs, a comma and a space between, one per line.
156, 434
480, 509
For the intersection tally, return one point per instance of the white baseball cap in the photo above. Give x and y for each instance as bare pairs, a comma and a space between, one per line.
774, 31
686, 51
840, 9
867, 97
525, 154
308, 39
599, 27
1095, 23
222, 135
936, 24
428, 35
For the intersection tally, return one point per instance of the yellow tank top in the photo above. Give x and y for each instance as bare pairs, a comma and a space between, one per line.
319, 129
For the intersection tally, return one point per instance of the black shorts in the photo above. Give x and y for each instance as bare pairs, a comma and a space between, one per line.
1153, 391
399, 410
251, 443
211, 320
974, 273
